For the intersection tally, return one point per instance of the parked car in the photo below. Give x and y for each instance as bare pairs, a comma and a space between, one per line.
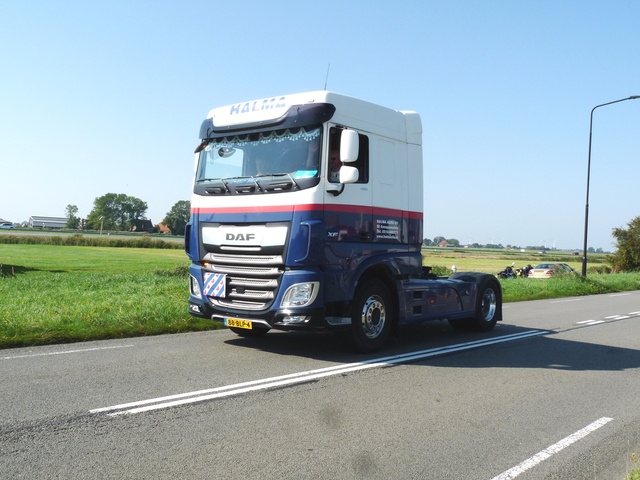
6, 225
551, 269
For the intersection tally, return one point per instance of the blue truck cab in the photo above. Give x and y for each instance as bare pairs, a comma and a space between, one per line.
307, 214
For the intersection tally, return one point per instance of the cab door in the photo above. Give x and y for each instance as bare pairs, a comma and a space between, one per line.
348, 208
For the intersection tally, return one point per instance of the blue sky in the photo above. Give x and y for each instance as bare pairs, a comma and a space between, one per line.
108, 97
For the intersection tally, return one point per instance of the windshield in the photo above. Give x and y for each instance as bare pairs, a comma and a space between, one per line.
293, 153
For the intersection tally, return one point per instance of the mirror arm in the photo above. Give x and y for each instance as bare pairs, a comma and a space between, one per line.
335, 190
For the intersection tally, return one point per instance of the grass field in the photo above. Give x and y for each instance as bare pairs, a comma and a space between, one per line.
492, 261
54, 294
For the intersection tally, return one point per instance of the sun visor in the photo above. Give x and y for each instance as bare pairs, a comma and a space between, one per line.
235, 119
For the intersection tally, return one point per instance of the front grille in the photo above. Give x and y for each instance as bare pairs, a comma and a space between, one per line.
252, 281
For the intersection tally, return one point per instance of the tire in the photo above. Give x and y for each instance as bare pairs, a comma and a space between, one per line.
254, 332
371, 316
488, 306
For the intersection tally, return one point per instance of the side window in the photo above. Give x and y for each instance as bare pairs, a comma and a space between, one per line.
362, 164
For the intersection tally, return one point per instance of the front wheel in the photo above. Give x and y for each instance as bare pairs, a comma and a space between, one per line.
371, 316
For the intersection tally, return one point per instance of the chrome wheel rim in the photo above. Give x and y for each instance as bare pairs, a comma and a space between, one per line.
373, 317
489, 304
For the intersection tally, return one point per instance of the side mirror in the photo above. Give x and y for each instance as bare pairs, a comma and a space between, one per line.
349, 174
349, 143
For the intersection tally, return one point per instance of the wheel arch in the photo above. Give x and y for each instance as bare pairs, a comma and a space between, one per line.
383, 273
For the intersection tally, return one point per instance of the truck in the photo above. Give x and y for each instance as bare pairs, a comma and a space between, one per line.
307, 215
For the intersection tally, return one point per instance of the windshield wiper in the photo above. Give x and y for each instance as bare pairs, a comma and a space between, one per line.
213, 188
274, 184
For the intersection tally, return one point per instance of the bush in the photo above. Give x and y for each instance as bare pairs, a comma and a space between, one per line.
78, 240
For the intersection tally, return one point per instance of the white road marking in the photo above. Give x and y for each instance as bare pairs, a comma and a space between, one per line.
552, 450
65, 352
567, 300
611, 317
590, 322
619, 294
300, 377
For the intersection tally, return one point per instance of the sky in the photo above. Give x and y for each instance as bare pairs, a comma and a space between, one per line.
108, 97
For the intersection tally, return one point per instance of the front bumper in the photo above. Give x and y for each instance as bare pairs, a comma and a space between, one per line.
303, 319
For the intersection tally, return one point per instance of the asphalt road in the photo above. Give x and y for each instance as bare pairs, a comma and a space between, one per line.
552, 392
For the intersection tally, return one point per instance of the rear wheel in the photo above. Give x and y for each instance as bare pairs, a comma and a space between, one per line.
487, 305
487, 308
371, 316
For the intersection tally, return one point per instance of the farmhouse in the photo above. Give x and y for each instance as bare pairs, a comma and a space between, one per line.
47, 222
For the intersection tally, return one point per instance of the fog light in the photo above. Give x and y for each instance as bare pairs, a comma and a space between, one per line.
296, 319
300, 295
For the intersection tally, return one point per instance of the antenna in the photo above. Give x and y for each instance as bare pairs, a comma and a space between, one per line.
326, 80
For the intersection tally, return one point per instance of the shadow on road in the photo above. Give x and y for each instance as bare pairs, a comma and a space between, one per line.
537, 352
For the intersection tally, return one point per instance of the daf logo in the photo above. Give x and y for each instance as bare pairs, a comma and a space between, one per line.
241, 237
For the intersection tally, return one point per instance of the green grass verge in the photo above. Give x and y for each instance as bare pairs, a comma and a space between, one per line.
634, 474
52, 293
521, 289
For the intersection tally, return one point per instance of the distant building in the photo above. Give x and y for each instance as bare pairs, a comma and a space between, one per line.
163, 227
142, 225
47, 222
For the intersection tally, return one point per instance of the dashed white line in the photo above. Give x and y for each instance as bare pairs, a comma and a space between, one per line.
64, 352
552, 450
300, 377
610, 317
590, 322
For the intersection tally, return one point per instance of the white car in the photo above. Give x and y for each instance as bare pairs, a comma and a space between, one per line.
550, 269
6, 225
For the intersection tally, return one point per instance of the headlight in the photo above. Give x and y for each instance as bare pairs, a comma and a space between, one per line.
195, 288
300, 295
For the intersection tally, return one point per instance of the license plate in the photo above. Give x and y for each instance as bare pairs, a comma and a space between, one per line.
238, 323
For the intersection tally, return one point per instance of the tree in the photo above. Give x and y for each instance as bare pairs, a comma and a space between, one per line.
115, 211
178, 217
72, 220
453, 241
627, 257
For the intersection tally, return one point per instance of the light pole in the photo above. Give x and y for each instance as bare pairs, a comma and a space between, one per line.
586, 207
